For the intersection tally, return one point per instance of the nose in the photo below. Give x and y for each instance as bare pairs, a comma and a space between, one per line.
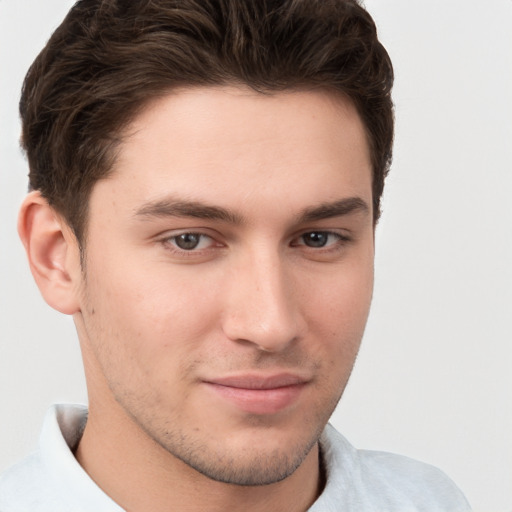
261, 307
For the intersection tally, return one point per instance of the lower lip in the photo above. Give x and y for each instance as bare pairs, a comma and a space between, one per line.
259, 401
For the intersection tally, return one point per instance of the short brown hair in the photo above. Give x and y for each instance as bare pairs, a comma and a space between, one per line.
109, 58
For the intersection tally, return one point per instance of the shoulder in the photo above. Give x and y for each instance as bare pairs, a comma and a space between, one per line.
22, 486
418, 485
51, 479
374, 480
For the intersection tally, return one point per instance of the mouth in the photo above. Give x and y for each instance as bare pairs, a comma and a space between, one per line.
259, 394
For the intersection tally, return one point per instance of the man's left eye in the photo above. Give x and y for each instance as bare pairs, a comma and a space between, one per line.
319, 239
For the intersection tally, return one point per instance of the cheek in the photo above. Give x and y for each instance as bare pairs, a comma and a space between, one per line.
336, 316
340, 299
151, 318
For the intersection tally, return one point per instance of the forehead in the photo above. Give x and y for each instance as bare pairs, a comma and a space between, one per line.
232, 144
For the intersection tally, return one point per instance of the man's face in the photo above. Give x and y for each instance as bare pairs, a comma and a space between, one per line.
229, 272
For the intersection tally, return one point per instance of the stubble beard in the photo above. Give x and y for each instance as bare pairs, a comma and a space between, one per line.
260, 469
248, 466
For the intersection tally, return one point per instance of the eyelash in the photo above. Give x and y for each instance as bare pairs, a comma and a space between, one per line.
169, 242
340, 240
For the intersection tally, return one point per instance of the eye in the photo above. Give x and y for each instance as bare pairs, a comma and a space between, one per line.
319, 239
190, 241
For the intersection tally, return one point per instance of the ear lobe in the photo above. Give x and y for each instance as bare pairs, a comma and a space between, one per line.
52, 252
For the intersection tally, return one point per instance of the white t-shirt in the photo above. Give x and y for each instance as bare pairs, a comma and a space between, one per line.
51, 480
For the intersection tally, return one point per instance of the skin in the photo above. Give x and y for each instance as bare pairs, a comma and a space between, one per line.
276, 192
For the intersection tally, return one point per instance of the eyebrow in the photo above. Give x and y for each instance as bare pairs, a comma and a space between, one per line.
347, 206
178, 208
170, 207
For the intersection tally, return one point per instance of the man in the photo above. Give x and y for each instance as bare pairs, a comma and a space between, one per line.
206, 181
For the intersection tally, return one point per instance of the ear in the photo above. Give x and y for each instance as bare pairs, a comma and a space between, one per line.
53, 253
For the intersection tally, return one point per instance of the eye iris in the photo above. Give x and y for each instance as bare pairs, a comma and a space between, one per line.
316, 239
188, 241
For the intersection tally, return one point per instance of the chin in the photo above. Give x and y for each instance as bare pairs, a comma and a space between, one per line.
258, 468
252, 456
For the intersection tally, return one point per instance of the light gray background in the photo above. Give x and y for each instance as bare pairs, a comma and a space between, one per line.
434, 378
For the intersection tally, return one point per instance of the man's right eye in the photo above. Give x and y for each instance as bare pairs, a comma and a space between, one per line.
190, 241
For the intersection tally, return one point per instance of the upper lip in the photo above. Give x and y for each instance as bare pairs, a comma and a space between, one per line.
255, 381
